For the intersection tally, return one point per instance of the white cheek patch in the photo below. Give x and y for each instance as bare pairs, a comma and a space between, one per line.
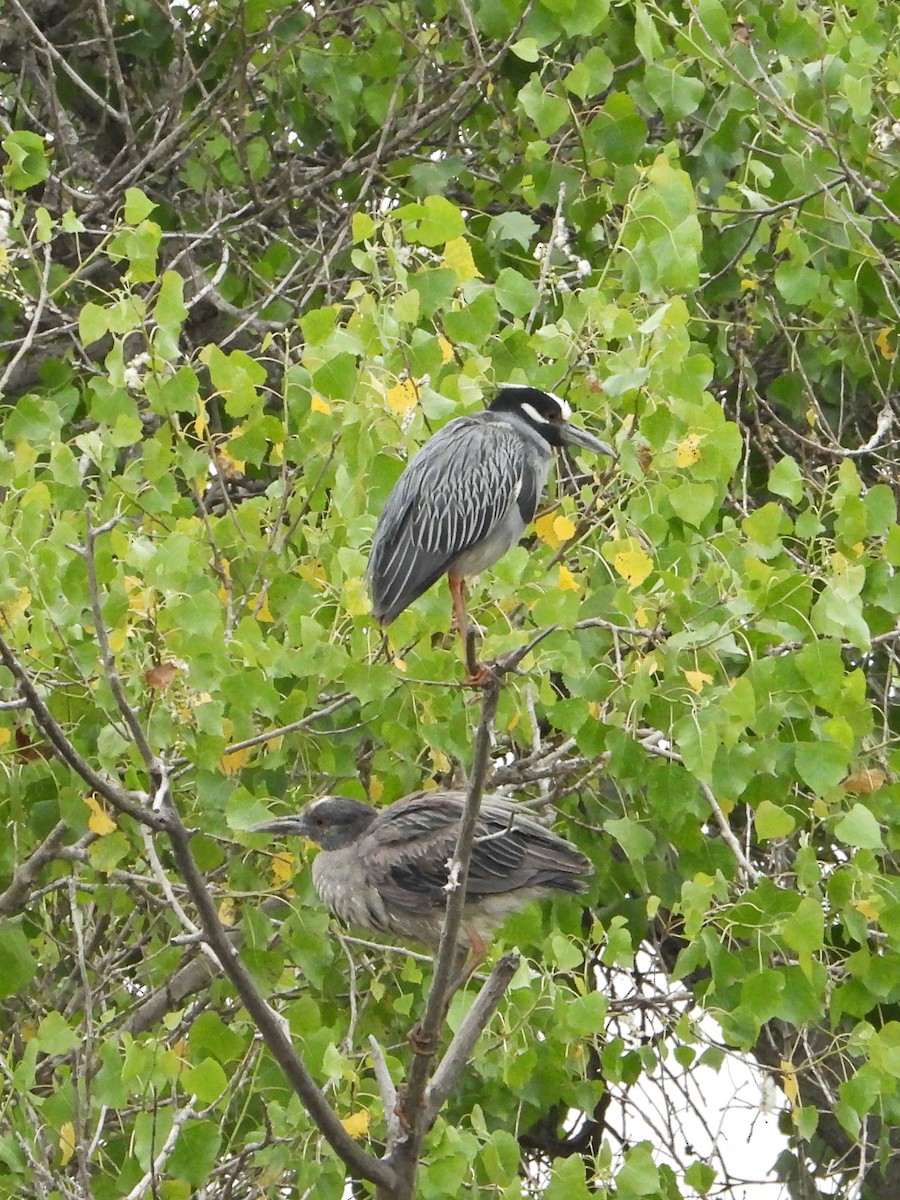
533, 414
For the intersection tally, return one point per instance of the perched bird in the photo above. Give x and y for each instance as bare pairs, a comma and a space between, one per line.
388, 869
466, 498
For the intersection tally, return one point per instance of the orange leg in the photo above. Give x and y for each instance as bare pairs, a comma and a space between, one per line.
477, 671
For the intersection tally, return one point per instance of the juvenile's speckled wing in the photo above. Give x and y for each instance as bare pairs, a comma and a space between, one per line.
408, 847
459, 487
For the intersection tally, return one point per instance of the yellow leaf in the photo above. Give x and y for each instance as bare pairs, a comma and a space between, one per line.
399, 663
201, 423
458, 257
312, 572
230, 764
640, 617
357, 1124
376, 789
67, 1142
884, 346
446, 350
789, 1081
688, 451
5, 737
749, 285
317, 404
633, 565
99, 821
563, 528
869, 910
544, 527
811, 418
117, 639
228, 911
356, 598
697, 680
15, 608
402, 397
439, 760
140, 598
262, 612
567, 581
283, 868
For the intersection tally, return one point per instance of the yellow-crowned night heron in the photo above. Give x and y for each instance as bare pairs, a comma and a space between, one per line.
466, 498
388, 869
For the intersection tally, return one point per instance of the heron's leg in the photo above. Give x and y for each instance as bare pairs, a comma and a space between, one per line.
477, 671
471, 961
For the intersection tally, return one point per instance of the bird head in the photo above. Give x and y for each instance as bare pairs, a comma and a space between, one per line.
332, 822
548, 415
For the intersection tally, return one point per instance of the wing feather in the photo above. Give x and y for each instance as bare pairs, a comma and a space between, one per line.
410, 845
459, 486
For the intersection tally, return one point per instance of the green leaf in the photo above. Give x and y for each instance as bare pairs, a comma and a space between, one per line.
363, 227
765, 525
17, 963
545, 109
138, 207
55, 1036
700, 1176
692, 502
207, 1081
821, 765
237, 377
785, 480
881, 509
169, 312
195, 1152
860, 828
676, 95
585, 1014
526, 49
513, 227
337, 379
771, 821
93, 323
591, 75
804, 929
515, 293
640, 1174
28, 164
442, 222
798, 284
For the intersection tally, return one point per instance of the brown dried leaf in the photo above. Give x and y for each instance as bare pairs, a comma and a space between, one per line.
160, 676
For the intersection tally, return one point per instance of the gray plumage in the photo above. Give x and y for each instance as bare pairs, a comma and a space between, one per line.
387, 869
468, 495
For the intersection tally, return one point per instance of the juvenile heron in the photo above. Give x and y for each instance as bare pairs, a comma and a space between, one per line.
466, 498
388, 869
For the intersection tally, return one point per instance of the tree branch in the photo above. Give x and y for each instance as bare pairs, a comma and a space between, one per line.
122, 800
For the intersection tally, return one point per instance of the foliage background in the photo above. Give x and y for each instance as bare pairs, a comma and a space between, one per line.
289, 241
